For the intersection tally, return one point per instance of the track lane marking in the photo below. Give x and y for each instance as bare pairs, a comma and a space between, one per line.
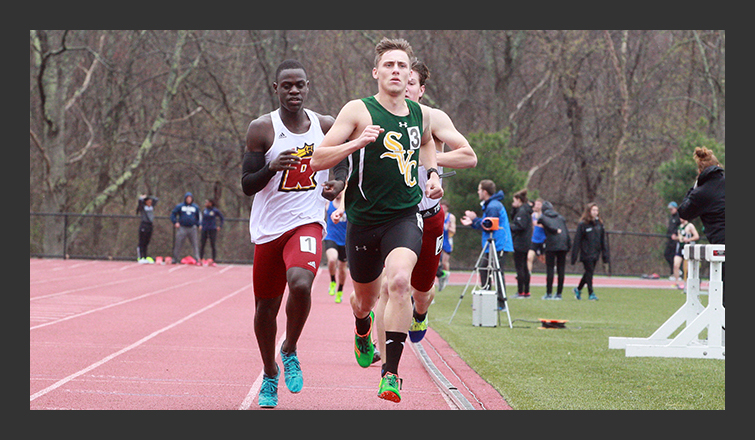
136, 344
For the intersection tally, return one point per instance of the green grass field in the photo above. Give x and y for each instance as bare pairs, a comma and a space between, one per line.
573, 368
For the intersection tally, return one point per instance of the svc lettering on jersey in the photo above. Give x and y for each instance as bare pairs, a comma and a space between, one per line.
302, 178
403, 158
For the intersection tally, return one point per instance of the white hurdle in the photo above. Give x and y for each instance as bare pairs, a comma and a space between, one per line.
692, 315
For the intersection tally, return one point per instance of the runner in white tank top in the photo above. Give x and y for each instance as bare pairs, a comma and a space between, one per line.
297, 190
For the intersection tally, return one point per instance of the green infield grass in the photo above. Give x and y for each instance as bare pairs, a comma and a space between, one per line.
572, 367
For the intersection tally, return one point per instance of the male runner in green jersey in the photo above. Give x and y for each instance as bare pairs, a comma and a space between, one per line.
385, 136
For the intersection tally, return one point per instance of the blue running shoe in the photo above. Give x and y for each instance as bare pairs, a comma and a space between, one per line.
292, 372
417, 330
268, 396
577, 293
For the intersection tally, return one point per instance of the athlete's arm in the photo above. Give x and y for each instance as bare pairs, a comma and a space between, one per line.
333, 149
461, 155
433, 189
255, 172
340, 171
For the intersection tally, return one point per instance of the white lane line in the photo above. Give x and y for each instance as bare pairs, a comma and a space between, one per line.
249, 399
104, 360
116, 304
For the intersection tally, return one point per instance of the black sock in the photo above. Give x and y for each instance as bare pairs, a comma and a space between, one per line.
394, 346
332, 278
363, 325
419, 317
340, 288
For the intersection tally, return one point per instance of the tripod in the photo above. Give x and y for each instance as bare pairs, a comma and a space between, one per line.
494, 278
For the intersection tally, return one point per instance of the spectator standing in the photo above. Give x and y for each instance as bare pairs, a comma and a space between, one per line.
521, 235
589, 245
492, 208
707, 198
146, 209
557, 245
186, 218
673, 240
537, 246
212, 222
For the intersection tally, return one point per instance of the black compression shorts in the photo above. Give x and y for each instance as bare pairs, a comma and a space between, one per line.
368, 246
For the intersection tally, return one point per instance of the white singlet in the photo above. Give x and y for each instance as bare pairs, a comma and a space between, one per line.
426, 202
291, 198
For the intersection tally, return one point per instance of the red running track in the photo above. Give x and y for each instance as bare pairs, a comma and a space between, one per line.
124, 336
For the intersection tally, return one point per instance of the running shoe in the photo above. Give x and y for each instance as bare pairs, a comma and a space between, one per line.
390, 384
376, 355
364, 349
292, 372
268, 396
339, 294
577, 293
548, 296
332, 289
593, 297
417, 330
443, 280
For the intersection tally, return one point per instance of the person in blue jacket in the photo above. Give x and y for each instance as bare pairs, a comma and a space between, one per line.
186, 217
492, 209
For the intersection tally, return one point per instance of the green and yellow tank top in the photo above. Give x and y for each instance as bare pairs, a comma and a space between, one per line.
383, 181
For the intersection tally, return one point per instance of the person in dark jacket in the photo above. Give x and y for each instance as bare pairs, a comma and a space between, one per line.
589, 244
212, 221
521, 235
672, 239
707, 199
557, 245
186, 217
146, 209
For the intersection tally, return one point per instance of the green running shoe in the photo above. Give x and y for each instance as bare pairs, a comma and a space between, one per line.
292, 372
417, 330
390, 384
332, 289
339, 294
268, 396
443, 280
364, 349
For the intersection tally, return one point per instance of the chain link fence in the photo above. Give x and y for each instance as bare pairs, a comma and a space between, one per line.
115, 237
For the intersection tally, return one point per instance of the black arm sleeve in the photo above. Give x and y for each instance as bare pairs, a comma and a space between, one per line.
341, 170
254, 173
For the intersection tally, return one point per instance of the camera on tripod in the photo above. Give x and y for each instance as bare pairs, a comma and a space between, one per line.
490, 223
